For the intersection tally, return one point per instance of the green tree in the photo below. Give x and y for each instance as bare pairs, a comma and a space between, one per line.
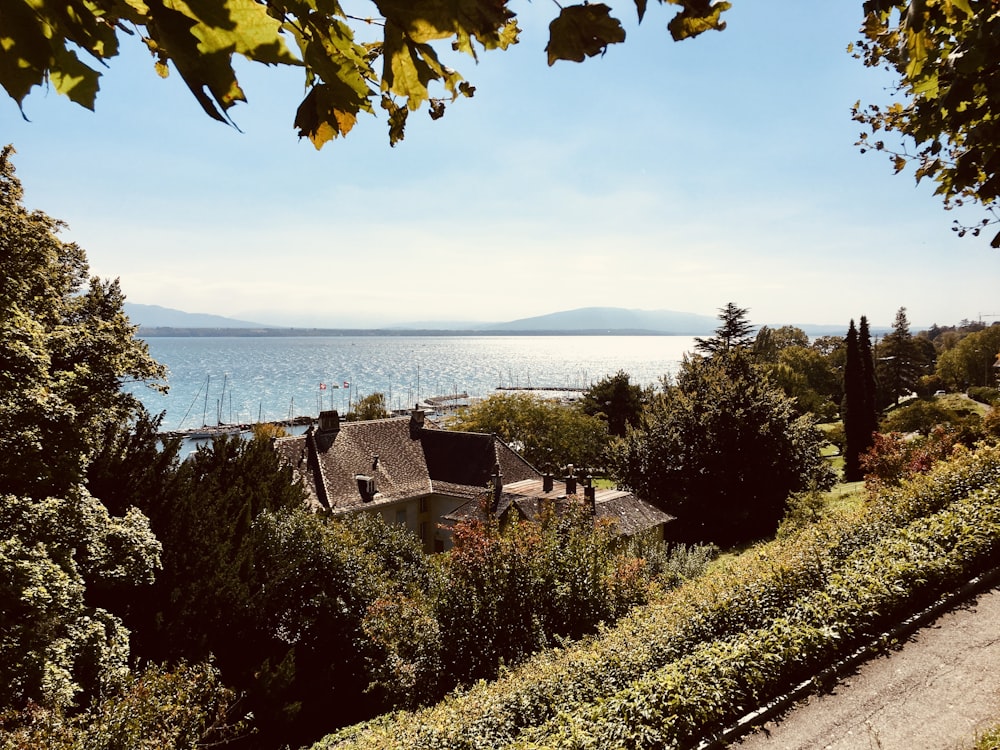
203, 518
870, 409
734, 333
65, 348
770, 342
722, 449
853, 408
510, 587
394, 66
943, 54
805, 375
548, 434
616, 400
370, 407
971, 361
899, 362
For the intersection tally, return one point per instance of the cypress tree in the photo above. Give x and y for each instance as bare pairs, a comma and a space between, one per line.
869, 416
852, 407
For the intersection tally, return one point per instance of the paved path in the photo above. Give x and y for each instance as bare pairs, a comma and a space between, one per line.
934, 693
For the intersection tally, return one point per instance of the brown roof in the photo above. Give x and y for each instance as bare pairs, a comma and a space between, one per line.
412, 461
630, 513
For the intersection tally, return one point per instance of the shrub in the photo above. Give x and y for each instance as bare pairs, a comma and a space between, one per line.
184, 708
984, 395
670, 673
894, 457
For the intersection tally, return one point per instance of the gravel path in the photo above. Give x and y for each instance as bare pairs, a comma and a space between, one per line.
934, 693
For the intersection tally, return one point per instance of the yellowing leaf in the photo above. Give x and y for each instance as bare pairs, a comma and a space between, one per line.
697, 17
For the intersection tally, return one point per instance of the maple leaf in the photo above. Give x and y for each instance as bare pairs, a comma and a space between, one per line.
581, 31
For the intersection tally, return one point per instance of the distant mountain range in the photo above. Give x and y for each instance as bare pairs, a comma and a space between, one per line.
154, 316
154, 319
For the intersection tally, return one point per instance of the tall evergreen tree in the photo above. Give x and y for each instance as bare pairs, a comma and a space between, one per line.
871, 410
899, 363
853, 406
734, 333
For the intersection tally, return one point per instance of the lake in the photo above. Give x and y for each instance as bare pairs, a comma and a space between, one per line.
242, 379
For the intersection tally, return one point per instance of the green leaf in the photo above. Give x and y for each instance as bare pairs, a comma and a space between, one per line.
241, 26
24, 51
582, 31
73, 79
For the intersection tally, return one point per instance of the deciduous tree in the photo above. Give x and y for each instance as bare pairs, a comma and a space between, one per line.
65, 347
549, 435
616, 400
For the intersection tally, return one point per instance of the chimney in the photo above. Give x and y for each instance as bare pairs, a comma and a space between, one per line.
329, 421
416, 423
570, 481
546, 482
329, 427
497, 485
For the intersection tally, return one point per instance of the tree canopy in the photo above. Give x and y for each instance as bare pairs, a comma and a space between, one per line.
395, 56
944, 55
722, 449
548, 434
387, 54
65, 347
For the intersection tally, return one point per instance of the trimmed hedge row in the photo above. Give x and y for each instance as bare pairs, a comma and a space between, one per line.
721, 644
718, 681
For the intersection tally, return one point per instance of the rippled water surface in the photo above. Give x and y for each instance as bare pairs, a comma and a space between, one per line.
243, 379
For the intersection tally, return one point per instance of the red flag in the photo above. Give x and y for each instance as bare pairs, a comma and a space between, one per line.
346, 384
322, 386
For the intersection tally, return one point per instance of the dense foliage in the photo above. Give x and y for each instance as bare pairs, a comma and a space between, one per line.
65, 346
616, 400
970, 360
722, 449
370, 407
674, 672
550, 435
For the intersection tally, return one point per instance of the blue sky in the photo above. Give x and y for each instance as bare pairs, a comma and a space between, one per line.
664, 175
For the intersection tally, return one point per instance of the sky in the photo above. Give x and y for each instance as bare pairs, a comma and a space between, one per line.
661, 176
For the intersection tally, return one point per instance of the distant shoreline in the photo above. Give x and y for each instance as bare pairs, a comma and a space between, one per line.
161, 332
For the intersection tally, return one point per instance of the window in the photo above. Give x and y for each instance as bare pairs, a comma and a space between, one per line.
423, 505
401, 516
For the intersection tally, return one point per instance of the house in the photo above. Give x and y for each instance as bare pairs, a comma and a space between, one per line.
413, 473
630, 515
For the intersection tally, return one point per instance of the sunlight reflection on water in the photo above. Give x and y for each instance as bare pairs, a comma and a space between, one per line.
242, 379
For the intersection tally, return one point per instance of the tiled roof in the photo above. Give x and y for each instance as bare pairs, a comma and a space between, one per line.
412, 462
631, 514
